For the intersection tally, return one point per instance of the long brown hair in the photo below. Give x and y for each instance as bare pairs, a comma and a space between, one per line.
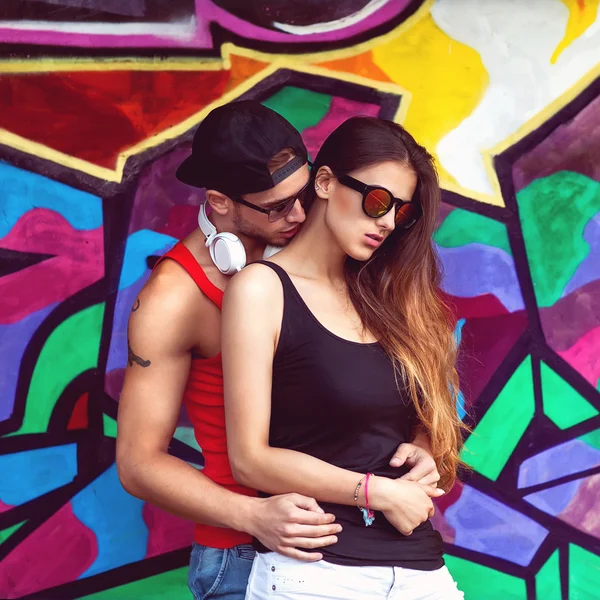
397, 292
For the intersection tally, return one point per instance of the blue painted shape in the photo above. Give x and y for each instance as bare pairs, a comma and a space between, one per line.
460, 400
32, 473
476, 269
116, 519
587, 271
22, 191
555, 499
485, 525
140, 245
14, 338
571, 457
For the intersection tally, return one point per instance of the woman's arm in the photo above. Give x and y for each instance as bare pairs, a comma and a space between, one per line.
252, 313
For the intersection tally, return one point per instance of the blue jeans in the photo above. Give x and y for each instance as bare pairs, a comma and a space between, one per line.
220, 574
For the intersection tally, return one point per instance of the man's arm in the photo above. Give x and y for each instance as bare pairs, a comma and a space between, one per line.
159, 343
161, 335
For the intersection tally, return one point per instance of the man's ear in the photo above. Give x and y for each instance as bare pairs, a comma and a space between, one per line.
219, 202
324, 181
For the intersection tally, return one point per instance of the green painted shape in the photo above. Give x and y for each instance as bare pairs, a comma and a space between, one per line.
592, 439
547, 580
478, 582
492, 442
584, 574
302, 108
563, 405
71, 349
554, 211
6, 533
462, 227
110, 426
171, 585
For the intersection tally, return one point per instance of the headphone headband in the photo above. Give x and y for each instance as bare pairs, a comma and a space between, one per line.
208, 229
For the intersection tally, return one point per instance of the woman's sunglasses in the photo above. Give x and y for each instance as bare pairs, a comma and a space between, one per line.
377, 202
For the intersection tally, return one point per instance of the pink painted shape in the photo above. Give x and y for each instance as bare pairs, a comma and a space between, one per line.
5, 507
241, 27
206, 12
166, 532
340, 109
583, 511
79, 262
584, 356
58, 551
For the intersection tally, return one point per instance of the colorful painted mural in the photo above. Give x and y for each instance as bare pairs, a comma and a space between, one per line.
99, 101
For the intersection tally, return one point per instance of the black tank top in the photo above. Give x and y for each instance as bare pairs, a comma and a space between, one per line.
338, 401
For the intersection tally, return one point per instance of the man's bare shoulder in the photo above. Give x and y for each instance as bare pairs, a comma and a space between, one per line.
169, 309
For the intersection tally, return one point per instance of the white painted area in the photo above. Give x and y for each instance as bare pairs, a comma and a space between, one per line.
515, 40
363, 13
177, 30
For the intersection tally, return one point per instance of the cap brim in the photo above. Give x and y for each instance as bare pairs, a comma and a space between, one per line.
187, 172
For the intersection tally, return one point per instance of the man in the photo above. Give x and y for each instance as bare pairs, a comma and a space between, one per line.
254, 167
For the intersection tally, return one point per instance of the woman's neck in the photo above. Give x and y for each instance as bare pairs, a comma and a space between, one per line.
316, 252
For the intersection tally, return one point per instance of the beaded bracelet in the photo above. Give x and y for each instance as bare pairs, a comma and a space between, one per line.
367, 513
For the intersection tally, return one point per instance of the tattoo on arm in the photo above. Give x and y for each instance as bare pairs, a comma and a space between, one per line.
134, 358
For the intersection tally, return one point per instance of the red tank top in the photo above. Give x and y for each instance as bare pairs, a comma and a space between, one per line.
203, 400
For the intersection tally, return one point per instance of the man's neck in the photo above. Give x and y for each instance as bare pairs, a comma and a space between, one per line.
254, 248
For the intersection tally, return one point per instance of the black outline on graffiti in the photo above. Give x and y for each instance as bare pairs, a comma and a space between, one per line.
97, 451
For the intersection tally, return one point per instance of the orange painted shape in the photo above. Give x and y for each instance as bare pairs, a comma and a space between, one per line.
361, 64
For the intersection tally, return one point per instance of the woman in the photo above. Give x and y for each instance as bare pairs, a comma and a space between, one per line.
336, 351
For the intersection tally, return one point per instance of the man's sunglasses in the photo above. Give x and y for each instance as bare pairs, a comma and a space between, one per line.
280, 210
378, 201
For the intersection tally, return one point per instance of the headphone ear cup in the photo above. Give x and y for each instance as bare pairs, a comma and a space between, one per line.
228, 253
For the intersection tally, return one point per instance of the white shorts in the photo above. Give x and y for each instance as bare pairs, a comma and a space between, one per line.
280, 578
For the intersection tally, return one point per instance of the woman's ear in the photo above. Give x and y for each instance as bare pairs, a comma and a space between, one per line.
324, 181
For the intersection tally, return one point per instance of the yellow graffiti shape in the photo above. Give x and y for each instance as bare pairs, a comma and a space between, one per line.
582, 13
446, 80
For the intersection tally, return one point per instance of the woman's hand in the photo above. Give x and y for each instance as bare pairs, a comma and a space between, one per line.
405, 504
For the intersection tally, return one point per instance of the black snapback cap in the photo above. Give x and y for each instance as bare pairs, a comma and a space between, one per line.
233, 145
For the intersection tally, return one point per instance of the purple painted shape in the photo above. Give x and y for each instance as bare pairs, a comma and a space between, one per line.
485, 525
588, 270
339, 111
117, 354
113, 383
569, 319
206, 12
477, 269
571, 457
13, 342
158, 191
574, 146
555, 499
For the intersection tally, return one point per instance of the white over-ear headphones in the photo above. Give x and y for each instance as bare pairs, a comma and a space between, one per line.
226, 249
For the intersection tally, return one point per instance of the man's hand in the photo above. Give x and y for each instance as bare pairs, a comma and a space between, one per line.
423, 469
283, 523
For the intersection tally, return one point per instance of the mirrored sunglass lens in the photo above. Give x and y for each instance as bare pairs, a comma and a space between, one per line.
407, 215
377, 203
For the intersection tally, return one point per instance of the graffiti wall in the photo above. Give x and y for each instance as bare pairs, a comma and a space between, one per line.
99, 101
